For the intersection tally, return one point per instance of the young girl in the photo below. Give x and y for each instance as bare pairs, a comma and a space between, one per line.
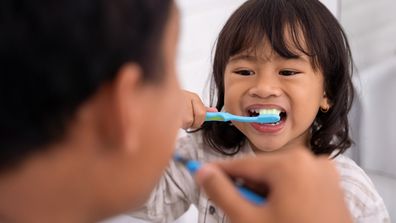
287, 55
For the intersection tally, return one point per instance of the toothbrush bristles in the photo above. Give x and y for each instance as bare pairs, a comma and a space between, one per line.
269, 112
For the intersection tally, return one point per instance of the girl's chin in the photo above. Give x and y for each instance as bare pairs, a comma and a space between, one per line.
264, 149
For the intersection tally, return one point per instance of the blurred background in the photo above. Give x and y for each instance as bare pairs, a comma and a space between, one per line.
371, 29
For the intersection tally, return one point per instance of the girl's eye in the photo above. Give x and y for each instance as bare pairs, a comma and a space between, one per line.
244, 72
288, 72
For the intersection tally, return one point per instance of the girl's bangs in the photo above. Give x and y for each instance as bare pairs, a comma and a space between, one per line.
285, 33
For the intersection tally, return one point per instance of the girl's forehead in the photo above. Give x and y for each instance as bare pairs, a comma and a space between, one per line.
289, 43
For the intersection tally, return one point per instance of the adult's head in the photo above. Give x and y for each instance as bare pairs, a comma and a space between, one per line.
85, 87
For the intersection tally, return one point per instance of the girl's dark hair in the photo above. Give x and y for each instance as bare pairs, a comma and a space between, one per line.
325, 43
54, 55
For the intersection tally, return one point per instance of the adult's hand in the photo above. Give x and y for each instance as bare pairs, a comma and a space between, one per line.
301, 188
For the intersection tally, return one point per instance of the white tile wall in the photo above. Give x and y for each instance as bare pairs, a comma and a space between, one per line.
371, 29
201, 22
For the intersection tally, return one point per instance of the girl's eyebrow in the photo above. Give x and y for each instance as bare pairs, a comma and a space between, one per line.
243, 57
301, 58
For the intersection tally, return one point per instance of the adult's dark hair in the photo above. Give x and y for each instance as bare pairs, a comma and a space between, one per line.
54, 55
324, 41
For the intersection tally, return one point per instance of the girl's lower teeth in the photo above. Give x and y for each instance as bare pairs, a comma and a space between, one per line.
272, 124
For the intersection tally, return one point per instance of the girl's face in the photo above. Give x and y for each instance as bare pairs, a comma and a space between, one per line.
264, 80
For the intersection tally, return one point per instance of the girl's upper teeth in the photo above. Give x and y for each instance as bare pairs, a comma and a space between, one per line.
267, 111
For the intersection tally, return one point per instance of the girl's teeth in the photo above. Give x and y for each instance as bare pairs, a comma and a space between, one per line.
268, 111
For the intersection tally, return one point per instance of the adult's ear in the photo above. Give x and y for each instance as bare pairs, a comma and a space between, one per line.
127, 98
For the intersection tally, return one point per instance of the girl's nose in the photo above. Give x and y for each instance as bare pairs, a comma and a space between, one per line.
265, 87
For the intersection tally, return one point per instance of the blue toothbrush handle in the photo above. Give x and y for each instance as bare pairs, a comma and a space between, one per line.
224, 117
193, 166
216, 116
251, 196
266, 118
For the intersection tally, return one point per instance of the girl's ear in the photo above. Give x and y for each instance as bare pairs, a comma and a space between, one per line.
325, 104
127, 88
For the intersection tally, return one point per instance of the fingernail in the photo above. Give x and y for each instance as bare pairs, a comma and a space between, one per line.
212, 109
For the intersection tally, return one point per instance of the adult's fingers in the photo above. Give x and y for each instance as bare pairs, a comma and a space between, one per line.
222, 191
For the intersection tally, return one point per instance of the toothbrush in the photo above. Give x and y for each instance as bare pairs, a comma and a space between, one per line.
193, 166
271, 116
